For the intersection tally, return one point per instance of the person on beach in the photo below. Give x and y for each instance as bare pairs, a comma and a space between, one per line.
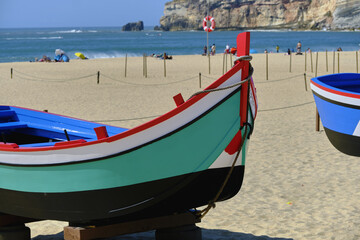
205, 51
45, 59
339, 49
213, 49
298, 47
277, 48
227, 48
288, 51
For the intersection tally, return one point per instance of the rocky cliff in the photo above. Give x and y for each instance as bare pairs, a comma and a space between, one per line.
262, 14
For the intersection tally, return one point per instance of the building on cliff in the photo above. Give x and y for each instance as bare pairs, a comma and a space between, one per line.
262, 14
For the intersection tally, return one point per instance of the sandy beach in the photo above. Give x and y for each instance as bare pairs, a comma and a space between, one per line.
296, 185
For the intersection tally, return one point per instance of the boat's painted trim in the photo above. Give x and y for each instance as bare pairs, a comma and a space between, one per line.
106, 149
336, 96
166, 123
164, 158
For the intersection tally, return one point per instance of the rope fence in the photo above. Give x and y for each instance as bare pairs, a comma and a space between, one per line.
154, 116
148, 84
30, 77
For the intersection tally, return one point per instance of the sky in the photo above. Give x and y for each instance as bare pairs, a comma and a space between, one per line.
79, 13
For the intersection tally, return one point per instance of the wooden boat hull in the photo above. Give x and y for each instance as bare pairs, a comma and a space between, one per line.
173, 163
175, 194
337, 99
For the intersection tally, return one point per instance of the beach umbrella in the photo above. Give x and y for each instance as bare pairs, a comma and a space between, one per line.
80, 55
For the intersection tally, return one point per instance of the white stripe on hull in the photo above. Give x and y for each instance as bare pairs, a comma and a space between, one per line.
108, 148
336, 97
227, 160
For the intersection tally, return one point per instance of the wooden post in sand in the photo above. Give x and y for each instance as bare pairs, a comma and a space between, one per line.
316, 63
357, 62
98, 77
267, 66
199, 80
317, 127
334, 62
125, 64
311, 62
209, 62
143, 64
305, 81
223, 63
226, 62
290, 63
305, 61
327, 67
11, 73
164, 64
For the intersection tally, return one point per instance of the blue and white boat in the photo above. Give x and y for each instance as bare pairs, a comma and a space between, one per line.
337, 98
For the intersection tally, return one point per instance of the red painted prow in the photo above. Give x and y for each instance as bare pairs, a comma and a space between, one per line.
243, 49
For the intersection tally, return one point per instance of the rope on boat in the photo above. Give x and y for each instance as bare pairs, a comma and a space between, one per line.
251, 71
149, 84
33, 78
211, 204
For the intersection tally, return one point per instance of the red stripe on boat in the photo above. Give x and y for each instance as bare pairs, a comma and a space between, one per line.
8, 145
352, 95
234, 145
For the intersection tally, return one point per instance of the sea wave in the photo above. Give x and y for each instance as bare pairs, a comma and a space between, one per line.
34, 38
76, 31
93, 55
70, 31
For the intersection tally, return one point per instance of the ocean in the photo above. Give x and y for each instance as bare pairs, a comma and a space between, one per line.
19, 45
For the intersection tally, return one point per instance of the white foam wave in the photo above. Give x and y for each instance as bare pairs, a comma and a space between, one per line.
70, 31
93, 55
35, 38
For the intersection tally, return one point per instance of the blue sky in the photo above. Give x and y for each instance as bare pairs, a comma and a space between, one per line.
79, 13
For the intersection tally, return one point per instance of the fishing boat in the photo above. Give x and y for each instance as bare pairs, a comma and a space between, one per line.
337, 98
62, 168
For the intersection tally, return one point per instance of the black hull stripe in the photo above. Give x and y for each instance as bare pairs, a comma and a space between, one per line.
345, 143
120, 204
336, 102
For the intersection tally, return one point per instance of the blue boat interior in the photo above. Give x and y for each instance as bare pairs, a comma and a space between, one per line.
28, 128
345, 81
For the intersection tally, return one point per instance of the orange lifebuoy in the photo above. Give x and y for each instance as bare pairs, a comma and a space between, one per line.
212, 27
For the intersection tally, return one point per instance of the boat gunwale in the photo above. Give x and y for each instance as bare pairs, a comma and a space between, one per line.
334, 90
130, 149
147, 125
